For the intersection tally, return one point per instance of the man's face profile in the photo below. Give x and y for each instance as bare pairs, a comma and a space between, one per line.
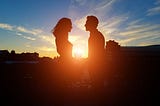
88, 25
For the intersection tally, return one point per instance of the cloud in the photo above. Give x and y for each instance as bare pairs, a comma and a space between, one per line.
80, 2
20, 29
134, 22
45, 48
155, 10
133, 30
19, 34
125, 41
138, 34
80, 23
28, 44
24, 30
157, 2
104, 7
27, 33
111, 25
47, 38
38, 33
26, 37
6, 26
16, 30
94, 7
29, 38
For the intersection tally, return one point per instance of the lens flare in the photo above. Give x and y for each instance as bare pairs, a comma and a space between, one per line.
78, 52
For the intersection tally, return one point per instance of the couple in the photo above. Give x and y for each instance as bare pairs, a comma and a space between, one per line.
96, 44
96, 41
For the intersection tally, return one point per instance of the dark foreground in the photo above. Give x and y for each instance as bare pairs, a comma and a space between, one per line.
127, 82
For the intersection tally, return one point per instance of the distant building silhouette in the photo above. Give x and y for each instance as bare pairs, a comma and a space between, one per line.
4, 54
112, 47
13, 56
13, 52
131, 53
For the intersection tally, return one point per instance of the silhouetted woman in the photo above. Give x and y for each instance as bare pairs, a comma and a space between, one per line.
64, 49
60, 31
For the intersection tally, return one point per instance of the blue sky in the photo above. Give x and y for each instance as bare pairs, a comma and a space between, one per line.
25, 25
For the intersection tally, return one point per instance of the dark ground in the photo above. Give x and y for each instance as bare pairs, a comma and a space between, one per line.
128, 82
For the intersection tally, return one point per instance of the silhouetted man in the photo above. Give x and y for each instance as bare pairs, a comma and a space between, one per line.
96, 44
96, 41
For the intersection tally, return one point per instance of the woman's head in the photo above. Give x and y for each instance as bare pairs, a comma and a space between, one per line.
64, 25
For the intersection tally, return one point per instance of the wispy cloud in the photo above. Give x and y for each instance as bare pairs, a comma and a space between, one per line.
155, 10
45, 48
157, 2
47, 38
26, 37
6, 26
134, 22
133, 30
80, 2
104, 7
138, 34
80, 23
20, 29
27, 44
17, 30
112, 24
32, 31
100, 8
29, 34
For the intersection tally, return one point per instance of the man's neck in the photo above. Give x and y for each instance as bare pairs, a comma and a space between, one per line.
93, 31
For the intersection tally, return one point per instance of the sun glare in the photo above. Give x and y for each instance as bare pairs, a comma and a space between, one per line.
78, 52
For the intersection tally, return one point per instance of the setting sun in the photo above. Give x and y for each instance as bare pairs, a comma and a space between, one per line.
78, 52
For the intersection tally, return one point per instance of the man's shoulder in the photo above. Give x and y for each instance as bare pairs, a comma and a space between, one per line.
97, 34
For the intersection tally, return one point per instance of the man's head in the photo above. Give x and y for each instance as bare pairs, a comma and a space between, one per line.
91, 23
